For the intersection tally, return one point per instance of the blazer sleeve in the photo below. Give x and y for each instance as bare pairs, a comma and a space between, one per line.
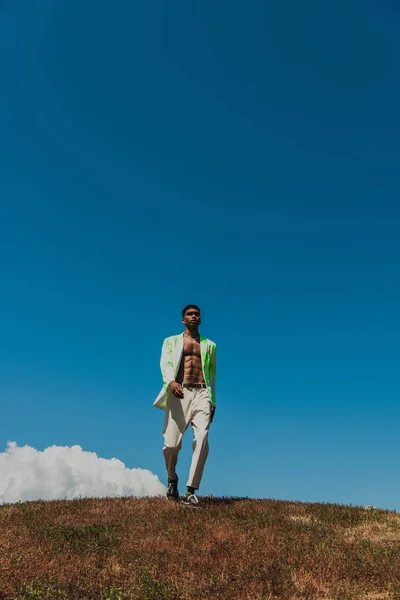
213, 370
166, 364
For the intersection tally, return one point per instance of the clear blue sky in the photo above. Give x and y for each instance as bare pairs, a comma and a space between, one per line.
244, 156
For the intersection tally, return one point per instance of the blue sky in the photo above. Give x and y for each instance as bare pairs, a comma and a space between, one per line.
242, 156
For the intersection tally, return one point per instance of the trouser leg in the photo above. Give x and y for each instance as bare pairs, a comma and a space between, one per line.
177, 418
201, 414
171, 460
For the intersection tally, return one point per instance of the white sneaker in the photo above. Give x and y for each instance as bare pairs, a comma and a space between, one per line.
191, 500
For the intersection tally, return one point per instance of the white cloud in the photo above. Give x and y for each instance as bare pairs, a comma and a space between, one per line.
69, 472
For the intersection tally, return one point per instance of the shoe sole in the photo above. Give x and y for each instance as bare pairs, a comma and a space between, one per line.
194, 506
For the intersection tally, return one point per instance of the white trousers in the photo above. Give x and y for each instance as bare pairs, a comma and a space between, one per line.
194, 408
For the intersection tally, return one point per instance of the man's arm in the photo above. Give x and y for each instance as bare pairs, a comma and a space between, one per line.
213, 369
213, 376
167, 369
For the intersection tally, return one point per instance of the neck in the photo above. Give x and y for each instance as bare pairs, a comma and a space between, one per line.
193, 333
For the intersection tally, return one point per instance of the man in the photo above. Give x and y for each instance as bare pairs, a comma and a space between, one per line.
188, 368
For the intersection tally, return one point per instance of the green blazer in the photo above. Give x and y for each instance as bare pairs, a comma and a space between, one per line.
171, 356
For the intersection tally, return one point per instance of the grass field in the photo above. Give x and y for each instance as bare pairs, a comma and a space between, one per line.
233, 548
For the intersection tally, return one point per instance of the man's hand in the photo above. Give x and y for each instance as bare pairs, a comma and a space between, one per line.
212, 413
176, 389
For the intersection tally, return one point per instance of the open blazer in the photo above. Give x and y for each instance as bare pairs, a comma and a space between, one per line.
171, 356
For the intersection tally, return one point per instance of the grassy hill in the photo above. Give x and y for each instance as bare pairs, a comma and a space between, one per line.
233, 548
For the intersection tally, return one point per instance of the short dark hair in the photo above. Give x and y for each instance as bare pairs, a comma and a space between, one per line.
187, 308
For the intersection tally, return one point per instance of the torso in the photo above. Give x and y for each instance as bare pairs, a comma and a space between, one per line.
190, 369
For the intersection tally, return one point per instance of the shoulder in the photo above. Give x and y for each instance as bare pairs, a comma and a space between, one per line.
172, 339
210, 343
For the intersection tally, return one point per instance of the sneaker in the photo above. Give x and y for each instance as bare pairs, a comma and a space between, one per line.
172, 492
191, 501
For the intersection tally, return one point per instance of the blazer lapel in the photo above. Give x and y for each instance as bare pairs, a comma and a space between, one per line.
203, 349
178, 352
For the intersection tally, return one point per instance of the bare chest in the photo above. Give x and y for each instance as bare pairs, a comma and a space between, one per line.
190, 370
191, 348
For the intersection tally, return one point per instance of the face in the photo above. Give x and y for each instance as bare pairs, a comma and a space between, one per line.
191, 318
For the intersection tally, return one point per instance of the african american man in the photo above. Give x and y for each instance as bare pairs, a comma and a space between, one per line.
188, 368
